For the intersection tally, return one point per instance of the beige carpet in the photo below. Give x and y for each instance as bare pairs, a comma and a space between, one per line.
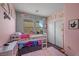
50, 51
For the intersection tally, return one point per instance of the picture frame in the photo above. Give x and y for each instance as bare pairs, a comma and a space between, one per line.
6, 7
6, 16
73, 24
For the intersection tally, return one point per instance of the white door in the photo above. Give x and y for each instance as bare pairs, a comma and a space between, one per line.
59, 33
51, 32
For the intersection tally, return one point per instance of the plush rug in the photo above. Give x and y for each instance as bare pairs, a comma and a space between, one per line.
50, 51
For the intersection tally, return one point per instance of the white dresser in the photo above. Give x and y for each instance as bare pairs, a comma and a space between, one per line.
10, 50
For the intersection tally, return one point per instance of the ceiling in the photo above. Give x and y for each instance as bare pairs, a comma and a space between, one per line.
42, 9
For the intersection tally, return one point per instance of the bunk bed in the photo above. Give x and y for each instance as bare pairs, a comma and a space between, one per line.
40, 38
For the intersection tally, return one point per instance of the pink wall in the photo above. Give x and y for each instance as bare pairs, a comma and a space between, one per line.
7, 27
71, 37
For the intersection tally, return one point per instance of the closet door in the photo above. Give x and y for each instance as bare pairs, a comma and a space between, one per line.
59, 33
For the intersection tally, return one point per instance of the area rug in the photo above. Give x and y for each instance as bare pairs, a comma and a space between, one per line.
50, 51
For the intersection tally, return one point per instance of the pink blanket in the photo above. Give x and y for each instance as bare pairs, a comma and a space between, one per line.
24, 36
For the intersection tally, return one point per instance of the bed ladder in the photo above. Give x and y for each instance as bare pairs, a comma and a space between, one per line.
44, 43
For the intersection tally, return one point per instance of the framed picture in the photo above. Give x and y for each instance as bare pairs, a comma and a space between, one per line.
6, 16
6, 7
73, 24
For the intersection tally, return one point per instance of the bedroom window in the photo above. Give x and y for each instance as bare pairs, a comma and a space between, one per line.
34, 26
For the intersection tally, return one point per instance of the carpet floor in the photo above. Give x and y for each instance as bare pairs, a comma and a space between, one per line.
27, 50
50, 51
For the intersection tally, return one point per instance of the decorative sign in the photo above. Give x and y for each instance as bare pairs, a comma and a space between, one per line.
74, 24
